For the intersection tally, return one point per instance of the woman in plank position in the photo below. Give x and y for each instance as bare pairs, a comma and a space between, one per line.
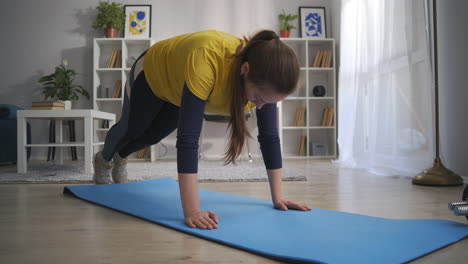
176, 80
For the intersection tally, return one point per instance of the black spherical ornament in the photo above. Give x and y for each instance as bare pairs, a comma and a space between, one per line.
318, 91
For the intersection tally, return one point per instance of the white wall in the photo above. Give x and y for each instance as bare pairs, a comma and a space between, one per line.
38, 35
453, 83
215, 135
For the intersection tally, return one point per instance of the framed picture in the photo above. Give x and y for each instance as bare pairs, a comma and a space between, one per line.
137, 21
312, 22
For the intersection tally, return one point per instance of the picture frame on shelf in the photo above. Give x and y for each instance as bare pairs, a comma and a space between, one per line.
137, 21
312, 22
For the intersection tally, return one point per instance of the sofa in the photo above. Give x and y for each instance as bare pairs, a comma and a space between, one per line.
8, 133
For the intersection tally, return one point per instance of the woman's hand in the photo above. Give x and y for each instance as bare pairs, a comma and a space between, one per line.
285, 205
202, 220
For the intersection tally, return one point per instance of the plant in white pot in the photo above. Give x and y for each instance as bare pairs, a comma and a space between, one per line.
110, 17
60, 85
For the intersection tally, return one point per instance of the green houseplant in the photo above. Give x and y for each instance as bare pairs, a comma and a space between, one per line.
60, 85
285, 27
110, 17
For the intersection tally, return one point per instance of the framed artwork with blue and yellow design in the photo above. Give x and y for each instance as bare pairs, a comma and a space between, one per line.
137, 21
312, 22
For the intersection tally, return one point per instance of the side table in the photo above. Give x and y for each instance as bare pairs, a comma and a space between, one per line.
87, 115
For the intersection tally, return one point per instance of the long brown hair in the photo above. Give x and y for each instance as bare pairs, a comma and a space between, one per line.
272, 63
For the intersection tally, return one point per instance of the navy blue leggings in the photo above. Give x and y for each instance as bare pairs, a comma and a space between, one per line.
145, 121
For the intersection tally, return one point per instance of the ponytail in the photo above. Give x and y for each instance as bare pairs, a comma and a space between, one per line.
271, 63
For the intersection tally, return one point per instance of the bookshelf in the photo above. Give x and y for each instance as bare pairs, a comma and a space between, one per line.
112, 61
307, 124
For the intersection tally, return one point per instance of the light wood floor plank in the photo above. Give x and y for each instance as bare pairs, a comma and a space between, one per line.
38, 224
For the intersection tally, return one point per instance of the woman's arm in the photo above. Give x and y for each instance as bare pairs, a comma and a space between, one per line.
271, 152
188, 186
274, 177
188, 134
270, 146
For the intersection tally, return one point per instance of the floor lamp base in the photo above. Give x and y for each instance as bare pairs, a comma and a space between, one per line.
438, 175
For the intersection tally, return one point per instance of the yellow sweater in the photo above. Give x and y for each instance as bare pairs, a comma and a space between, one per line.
203, 60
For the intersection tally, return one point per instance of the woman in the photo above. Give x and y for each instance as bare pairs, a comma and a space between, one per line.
178, 79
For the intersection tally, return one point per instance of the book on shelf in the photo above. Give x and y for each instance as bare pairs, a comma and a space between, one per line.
115, 60
296, 117
48, 108
322, 59
324, 116
48, 104
117, 92
327, 117
318, 56
299, 118
330, 117
328, 59
111, 60
302, 146
118, 63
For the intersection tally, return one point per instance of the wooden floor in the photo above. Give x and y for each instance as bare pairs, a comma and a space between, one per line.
38, 224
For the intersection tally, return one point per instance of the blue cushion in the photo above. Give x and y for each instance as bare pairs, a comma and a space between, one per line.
8, 111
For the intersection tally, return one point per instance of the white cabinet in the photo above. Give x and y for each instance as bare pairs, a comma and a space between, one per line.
316, 132
110, 75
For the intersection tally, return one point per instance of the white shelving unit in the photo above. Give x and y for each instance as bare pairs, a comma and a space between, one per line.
320, 140
104, 78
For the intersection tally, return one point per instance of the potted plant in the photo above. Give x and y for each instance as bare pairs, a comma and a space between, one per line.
285, 27
60, 85
110, 18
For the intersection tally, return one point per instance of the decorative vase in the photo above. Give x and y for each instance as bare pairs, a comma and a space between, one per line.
111, 33
68, 104
284, 33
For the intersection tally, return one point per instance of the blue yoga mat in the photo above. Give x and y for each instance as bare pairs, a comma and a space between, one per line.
319, 235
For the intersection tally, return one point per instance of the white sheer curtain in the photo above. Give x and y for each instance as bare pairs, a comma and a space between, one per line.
386, 113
